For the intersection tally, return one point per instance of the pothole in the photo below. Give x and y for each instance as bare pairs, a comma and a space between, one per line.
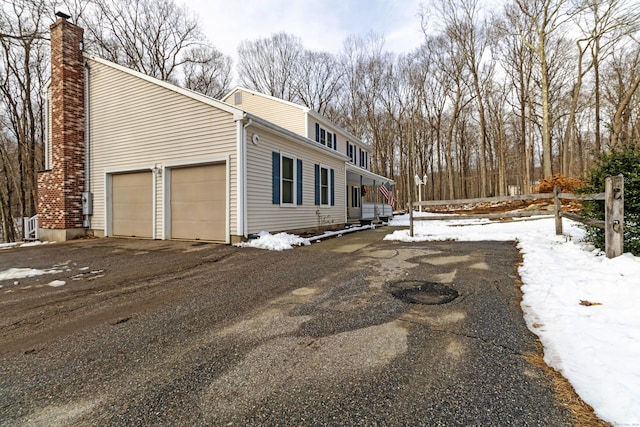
420, 292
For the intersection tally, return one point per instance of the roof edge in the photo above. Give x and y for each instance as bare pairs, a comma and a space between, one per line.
237, 113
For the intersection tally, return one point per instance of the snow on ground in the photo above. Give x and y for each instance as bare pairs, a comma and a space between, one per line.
22, 244
582, 305
21, 273
282, 241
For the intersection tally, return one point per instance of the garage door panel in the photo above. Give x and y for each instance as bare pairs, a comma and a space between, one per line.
132, 201
198, 202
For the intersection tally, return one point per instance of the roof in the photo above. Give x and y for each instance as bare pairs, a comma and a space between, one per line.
368, 174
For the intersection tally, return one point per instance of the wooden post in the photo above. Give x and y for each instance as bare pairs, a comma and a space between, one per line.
614, 216
410, 217
558, 209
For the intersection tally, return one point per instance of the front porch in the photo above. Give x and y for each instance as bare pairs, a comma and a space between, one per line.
365, 201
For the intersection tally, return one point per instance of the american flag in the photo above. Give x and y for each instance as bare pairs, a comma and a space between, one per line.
388, 194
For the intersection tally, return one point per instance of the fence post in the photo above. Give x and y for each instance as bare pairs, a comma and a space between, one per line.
410, 217
614, 216
558, 209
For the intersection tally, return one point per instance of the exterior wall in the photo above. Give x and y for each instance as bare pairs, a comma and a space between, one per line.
60, 188
138, 125
281, 113
262, 213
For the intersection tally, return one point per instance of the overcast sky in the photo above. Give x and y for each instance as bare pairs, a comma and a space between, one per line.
321, 24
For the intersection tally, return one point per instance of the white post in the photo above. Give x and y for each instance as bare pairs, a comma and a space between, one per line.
419, 184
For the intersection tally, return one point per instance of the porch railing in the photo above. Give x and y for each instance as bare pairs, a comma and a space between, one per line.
30, 227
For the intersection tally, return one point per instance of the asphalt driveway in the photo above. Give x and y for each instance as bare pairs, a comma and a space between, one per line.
350, 331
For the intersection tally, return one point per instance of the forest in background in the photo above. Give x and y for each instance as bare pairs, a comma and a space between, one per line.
491, 102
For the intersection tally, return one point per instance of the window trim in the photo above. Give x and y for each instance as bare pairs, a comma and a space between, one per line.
279, 180
294, 184
355, 197
330, 186
326, 137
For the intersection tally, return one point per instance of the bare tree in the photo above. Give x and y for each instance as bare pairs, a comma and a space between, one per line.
604, 24
466, 28
518, 62
318, 82
207, 71
155, 37
269, 65
23, 73
544, 17
624, 77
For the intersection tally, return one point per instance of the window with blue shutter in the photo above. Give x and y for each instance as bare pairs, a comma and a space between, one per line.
333, 192
317, 132
335, 142
286, 180
299, 181
316, 175
275, 178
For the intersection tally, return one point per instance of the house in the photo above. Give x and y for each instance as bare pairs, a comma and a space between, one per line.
131, 155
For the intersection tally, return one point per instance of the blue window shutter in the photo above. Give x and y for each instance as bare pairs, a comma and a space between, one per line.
333, 193
348, 148
335, 142
317, 184
317, 132
299, 181
275, 178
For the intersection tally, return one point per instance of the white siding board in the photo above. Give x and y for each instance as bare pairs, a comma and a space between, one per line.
262, 214
134, 122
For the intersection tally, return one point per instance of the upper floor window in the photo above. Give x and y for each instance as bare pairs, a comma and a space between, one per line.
364, 158
325, 137
351, 152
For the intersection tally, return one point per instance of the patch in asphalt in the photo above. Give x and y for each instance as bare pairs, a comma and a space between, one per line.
421, 292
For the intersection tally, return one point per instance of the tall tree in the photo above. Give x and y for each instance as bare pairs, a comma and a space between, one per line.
155, 37
318, 82
23, 73
466, 27
207, 71
604, 23
269, 65
544, 17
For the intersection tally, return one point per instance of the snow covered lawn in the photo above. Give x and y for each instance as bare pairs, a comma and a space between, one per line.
584, 307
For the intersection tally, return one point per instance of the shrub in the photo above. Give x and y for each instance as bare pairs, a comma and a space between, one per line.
627, 163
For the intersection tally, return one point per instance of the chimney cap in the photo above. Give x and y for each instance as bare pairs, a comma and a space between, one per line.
63, 15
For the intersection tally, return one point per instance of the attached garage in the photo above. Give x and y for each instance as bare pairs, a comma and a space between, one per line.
198, 202
132, 204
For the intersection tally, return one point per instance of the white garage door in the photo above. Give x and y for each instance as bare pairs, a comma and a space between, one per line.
198, 202
132, 198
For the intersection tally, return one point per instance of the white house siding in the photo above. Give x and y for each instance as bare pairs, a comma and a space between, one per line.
136, 125
262, 213
283, 114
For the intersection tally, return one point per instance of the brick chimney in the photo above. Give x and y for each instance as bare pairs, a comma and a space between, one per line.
60, 188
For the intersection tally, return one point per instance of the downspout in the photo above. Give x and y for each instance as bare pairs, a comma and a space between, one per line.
87, 197
241, 212
245, 214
